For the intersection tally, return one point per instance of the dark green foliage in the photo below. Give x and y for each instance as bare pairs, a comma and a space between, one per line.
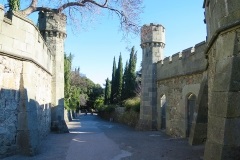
74, 98
113, 85
106, 108
79, 91
124, 89
94, 93
119, 80
99, 103
14, 5
130, 76
67, 80
107, 92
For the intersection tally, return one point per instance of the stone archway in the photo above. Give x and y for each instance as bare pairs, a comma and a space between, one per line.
191, 105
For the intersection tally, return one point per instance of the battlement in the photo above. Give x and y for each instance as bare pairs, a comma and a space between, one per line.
52, 24
187, 61
152, 33
20, 38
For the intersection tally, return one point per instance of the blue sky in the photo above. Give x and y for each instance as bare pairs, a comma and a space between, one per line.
94, 48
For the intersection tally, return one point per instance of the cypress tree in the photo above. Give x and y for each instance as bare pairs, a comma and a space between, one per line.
14, 5
67, 80
107, 92
119, 80
131, 77
113, 85
124, 86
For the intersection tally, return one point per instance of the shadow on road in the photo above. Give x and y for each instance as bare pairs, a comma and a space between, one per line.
92, 138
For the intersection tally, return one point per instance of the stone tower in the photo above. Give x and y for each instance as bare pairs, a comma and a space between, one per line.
223, 37
152, 43
53, 29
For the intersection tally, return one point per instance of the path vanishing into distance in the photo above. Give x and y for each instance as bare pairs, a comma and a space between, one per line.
92, 138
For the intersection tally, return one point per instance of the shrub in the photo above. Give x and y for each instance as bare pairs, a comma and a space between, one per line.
132, 104
110, 108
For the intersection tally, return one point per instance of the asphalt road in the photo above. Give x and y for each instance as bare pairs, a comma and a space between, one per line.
92, 138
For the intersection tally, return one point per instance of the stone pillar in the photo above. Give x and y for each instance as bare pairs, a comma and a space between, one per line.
152, 43
53, 29
223, 36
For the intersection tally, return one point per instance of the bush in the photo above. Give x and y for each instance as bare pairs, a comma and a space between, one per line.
110, 108
130, 118
106, 111
106, 108
132, 104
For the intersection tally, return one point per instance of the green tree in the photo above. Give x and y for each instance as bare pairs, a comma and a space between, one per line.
107, 92
74, 98
119, 80
99, 103
67, 80
113, 85
94, 93
14, 5
131, 75
124, 87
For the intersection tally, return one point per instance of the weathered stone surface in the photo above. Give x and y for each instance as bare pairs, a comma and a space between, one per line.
223, 56
176, 91
26, 67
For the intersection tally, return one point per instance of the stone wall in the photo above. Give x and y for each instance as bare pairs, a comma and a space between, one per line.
179, 76
186, 62
176, 91
25, 85
223, 52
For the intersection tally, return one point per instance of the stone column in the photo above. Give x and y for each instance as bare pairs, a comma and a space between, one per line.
223, 35
152, 43
53, 29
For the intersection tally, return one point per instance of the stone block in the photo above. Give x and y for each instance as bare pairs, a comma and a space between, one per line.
213, 151
225, 104
23, 139
7, 42
198, 134
232, 132
30, 28
30, 38
227, 75
22, 121
216, 129
19, 45
225, 46
230, 152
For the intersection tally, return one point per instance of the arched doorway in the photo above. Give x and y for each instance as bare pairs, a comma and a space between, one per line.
191, 103
163, 112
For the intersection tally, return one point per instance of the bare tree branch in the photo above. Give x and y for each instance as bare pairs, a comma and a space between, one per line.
127, 10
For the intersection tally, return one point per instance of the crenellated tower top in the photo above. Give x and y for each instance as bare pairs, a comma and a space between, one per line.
153, 35
52, 24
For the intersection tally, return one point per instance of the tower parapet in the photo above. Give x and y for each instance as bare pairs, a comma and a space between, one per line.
152, 33
152, 36
52, 24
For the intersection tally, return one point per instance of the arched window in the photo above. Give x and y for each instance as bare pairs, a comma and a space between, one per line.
191, 104
163, 111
